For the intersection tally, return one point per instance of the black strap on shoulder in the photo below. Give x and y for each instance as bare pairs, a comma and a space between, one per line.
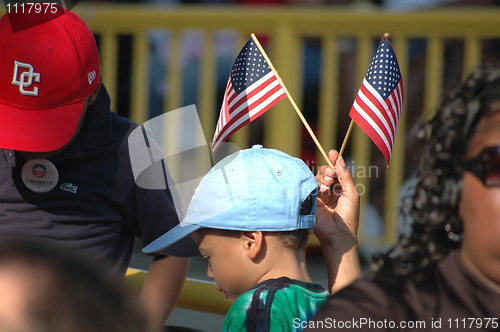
259, 313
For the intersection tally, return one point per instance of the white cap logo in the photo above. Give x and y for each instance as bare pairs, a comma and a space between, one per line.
91, 76
24, 76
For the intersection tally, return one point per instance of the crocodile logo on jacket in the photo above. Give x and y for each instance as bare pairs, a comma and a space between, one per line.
69, 187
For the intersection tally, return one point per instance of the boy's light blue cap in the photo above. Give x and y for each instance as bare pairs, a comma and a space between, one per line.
251, 190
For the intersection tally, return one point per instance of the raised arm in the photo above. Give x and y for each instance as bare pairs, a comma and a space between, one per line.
337, 223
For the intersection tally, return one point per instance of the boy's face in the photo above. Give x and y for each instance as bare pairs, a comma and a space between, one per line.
228, 264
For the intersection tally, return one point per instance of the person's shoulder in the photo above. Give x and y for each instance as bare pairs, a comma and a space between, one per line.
121, 130
259, 294
241, 304
291, 289
274, 303
364, 305
118, 121
236, 317
377, 294
364, 298
376, 299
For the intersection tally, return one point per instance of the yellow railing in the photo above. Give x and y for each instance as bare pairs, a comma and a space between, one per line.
195, 295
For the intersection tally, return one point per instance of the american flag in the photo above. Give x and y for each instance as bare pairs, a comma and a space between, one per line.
378, 104
252, 88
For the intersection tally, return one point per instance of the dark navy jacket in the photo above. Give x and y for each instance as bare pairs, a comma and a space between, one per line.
96, 206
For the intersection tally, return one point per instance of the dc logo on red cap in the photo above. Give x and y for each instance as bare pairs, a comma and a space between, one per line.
24, 76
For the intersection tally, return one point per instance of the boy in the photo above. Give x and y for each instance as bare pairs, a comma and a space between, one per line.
250, 218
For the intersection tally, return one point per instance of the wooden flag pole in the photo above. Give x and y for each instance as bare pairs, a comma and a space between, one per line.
346, 138
299, 113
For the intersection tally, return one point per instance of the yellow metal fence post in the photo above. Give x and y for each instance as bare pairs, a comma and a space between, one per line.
109, 64
207, 86
472, 53
139, 83
433, 73
395, 174
329, 96
173, 86
361, 142
282, 130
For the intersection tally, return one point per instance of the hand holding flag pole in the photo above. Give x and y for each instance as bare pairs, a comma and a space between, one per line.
378, 104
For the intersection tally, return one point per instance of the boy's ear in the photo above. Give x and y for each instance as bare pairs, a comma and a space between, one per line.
253, 243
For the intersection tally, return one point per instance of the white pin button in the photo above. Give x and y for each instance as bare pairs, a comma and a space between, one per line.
39, 175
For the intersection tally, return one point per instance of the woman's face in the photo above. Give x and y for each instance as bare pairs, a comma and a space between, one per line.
480, 208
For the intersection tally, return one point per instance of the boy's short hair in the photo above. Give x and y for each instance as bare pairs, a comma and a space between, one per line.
292, 240
255, 189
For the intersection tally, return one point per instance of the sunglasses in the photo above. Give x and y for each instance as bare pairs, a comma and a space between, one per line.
486, 166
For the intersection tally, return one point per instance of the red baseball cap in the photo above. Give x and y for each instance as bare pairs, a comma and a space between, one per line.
46, 73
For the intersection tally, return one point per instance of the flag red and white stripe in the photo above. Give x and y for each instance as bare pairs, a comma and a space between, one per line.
251, 90
378, 104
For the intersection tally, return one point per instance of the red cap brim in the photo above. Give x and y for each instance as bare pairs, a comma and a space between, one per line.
38, 130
